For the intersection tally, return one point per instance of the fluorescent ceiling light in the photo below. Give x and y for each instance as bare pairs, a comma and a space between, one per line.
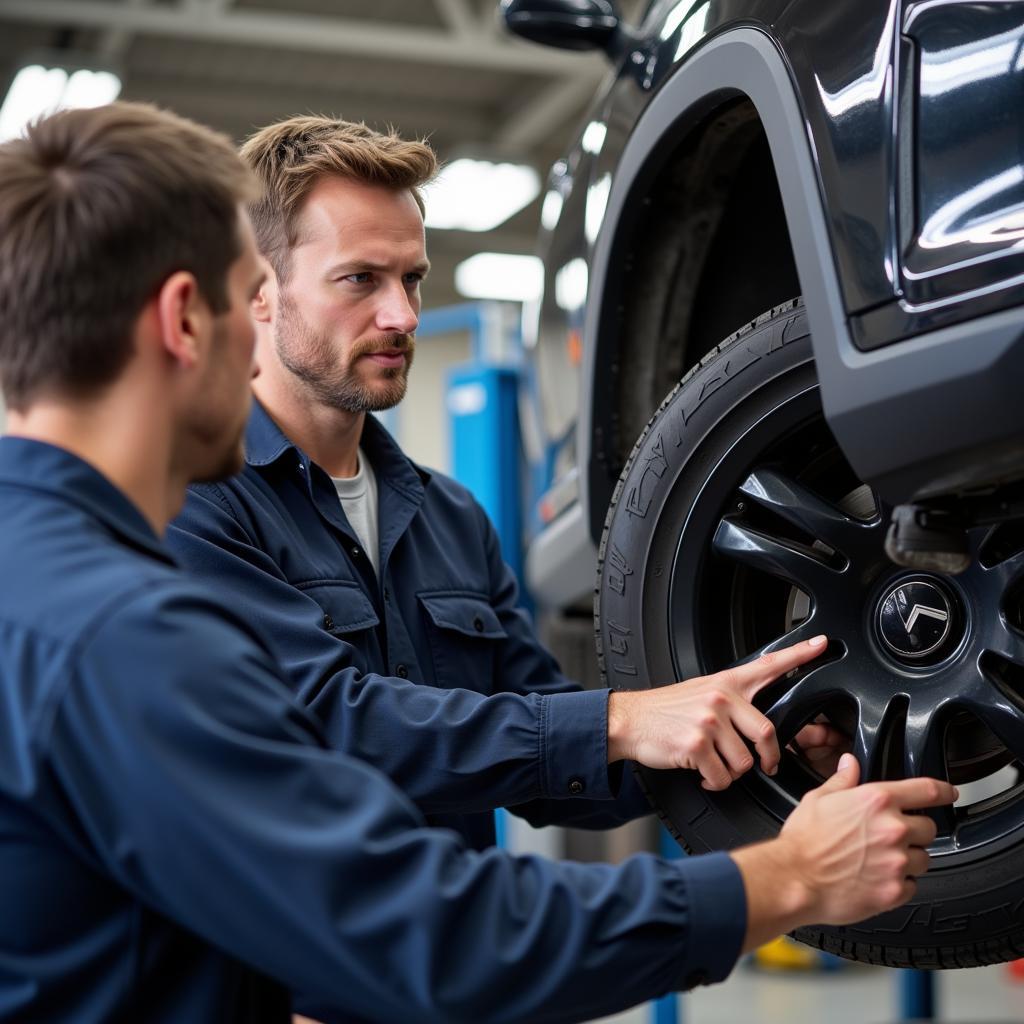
475, 195
571, 284
594, 136
37, 91
496, 275
552, 209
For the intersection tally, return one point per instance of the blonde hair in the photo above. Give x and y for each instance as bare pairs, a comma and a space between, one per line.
289, 158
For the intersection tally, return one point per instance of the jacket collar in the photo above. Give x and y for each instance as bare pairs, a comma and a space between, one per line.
266, 444
37, 466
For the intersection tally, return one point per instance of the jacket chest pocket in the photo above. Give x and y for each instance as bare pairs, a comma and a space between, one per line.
346, 612
465, 639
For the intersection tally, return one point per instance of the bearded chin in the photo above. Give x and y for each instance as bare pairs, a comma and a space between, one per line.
352, 395
312, 360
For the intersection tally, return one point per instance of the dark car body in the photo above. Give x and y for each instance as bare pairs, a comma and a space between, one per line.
869, 156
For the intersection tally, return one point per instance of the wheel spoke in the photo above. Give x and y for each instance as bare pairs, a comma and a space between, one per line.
797, 565
798, 634
805, 509
925, 749
1002, 710
807, 693
878, 722
1008, 571
1004, 640
925, 754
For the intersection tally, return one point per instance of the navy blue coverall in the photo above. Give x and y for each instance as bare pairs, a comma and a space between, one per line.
445, 613
180, 841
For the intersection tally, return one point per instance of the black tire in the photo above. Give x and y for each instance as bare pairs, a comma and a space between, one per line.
675, 600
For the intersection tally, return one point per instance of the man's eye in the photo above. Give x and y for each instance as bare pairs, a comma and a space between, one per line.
414, 278
361, 278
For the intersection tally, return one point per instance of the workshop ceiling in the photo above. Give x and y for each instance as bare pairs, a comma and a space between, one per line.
441, 69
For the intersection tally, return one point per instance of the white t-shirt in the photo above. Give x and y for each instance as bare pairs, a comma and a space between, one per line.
358, 496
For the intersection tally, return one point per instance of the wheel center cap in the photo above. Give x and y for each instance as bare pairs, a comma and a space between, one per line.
915, 618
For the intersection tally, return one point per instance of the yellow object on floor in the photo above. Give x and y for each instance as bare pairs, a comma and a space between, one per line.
786, 954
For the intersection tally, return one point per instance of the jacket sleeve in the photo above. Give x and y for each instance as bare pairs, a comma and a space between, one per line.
459, 751
528, 668
212, 795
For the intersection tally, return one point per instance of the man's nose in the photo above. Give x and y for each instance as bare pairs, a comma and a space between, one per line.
398, 312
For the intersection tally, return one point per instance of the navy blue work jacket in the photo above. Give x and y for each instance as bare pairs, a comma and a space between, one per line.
445, 614
178, 841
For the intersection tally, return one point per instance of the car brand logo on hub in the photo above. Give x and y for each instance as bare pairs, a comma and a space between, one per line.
915, 618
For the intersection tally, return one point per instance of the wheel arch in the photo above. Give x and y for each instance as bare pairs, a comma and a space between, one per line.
738, 84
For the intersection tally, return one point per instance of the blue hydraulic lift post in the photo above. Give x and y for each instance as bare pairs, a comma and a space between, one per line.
917, 995
483, 419
669, 1008
482, 401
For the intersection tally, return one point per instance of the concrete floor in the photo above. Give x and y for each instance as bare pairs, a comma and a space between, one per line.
853, 995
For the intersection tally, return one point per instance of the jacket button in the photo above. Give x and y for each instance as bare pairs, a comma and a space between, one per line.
356, 552
401, 671
478, 624
576, 786
328, 622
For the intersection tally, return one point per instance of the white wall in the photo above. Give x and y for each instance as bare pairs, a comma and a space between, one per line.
420, 422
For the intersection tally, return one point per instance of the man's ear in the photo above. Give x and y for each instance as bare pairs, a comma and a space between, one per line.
183, 316
264, 305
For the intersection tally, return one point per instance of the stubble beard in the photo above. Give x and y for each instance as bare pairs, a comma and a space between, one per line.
211, 434
311, 358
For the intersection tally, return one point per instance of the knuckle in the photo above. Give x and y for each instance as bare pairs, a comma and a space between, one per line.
898, 832
730, 678
717, 699
701, 745
892, 892
766, 730
875, 800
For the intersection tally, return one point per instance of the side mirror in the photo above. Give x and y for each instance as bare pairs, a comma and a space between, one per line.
566, 24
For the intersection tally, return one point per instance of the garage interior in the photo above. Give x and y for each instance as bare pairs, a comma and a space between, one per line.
447, 71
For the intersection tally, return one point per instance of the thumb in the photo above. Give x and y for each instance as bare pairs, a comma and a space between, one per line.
846, 776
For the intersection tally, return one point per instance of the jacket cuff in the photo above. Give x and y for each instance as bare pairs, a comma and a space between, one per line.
717, 903
574, 746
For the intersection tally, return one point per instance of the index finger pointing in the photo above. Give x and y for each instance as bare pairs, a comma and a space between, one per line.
916, 794
747, 680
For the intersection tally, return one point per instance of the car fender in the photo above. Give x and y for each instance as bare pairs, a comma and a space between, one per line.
739, 62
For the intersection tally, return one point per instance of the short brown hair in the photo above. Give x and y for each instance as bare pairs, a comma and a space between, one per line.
289, 158
98, 208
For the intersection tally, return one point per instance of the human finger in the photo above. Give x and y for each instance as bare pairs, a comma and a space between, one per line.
921, 830
846, 776
916, 794
714, 775
917, 861
758, 728
820, 734
734, 752
748, 680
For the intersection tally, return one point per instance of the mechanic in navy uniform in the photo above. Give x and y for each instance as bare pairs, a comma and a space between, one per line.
363, 570
181, 839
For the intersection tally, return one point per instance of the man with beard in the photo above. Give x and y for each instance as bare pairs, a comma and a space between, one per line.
180, 842
378, 583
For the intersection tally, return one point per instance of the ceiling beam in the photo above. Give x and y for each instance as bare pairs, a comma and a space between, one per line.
459, 17
293, 32
540, 116
243, 110
115, 41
